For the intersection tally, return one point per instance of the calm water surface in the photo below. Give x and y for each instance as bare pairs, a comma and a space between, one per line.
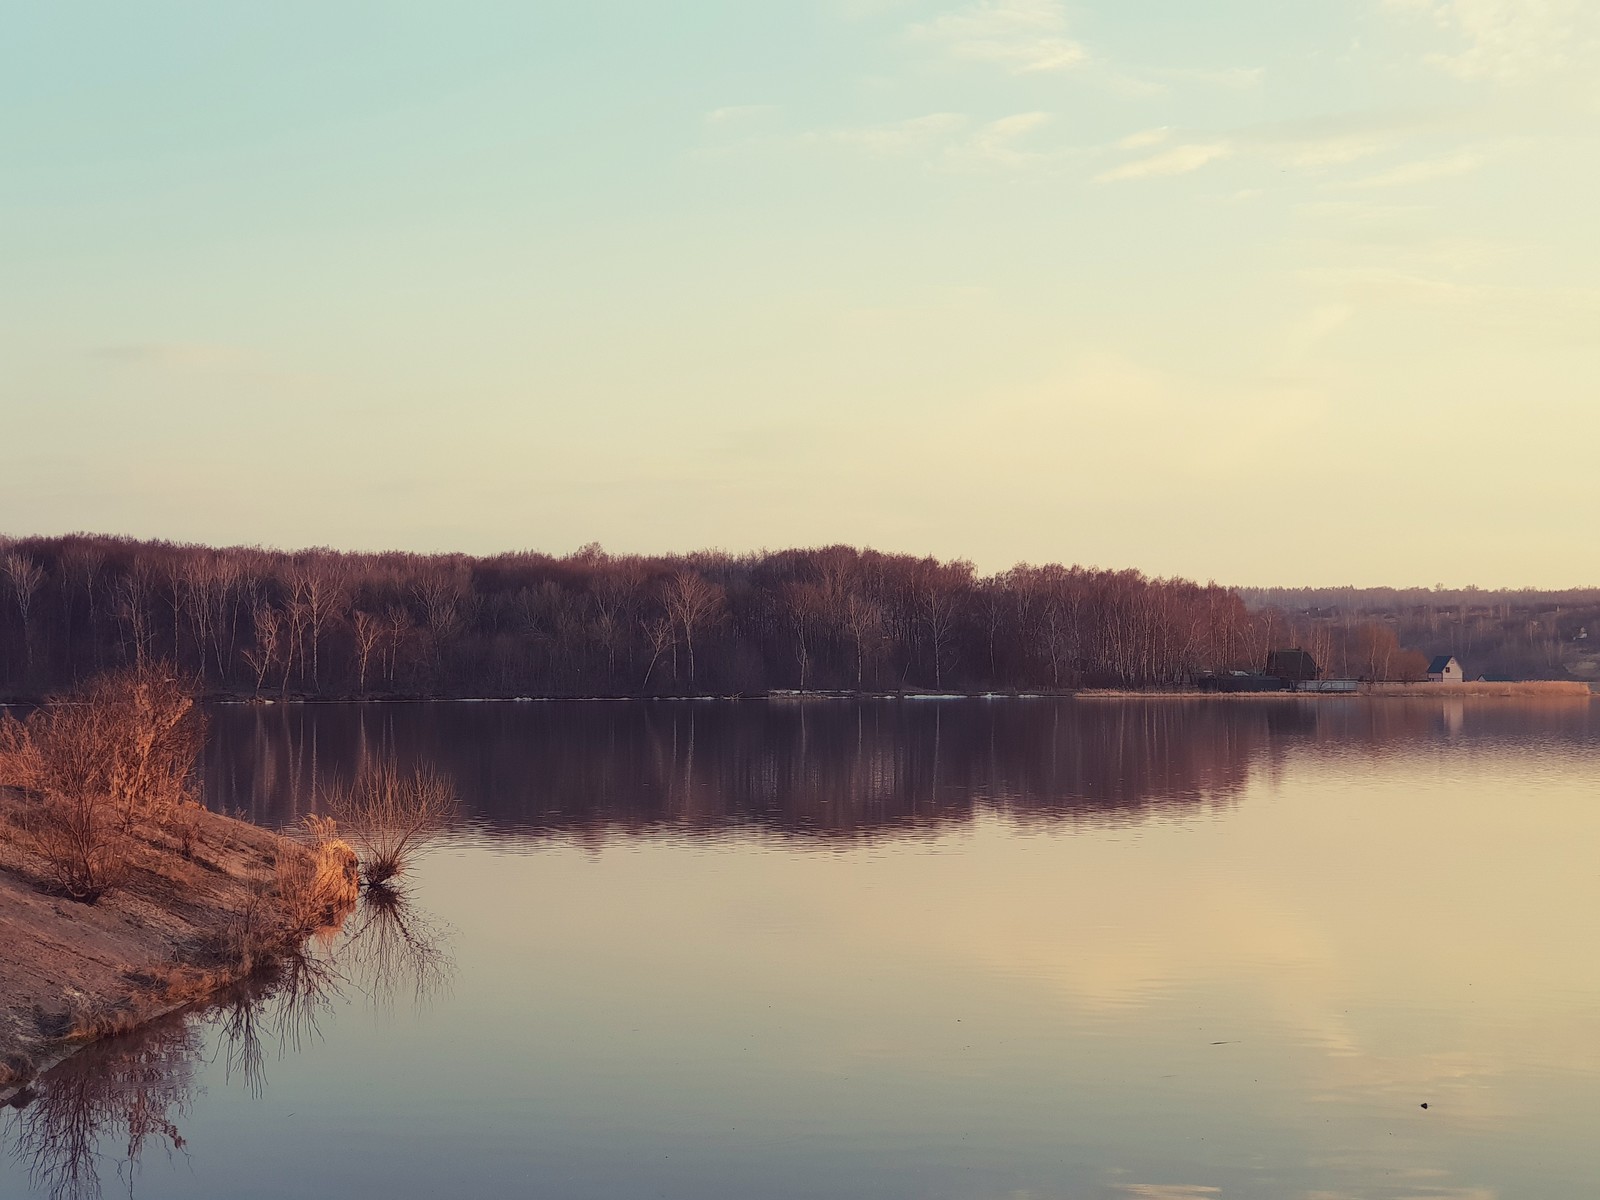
950, 950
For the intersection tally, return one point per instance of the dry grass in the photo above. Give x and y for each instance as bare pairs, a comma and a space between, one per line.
1537, 689
97, 804
1193, 694
1532, 689
100, 767
311, 890
390, 816
154, 993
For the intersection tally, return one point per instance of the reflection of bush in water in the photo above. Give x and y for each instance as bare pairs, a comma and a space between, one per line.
395, 947
132, 1091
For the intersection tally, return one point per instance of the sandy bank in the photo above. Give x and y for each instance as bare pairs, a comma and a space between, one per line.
70, 971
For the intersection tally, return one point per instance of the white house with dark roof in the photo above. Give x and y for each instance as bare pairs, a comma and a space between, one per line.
1445, 669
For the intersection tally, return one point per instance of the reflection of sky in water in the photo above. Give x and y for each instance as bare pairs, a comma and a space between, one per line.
1232, 962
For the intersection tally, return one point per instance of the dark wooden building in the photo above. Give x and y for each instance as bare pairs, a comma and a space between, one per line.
1296, 666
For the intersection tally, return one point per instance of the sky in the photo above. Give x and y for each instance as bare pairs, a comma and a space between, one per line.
1258, 292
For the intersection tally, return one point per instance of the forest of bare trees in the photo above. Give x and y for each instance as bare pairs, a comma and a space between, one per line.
247, 621
1511, 633
251, 622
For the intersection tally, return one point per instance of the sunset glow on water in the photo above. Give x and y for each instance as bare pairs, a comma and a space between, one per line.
952, 949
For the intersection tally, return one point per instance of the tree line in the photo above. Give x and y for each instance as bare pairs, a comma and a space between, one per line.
247, 621
1510, 633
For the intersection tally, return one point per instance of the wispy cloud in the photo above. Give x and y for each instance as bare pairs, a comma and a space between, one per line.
1144, 139
1314, 145
738, 114
1180, 160
1315, 153
1021, 36
1513, 41
1238, 79
997, 142
947, 139
894, 138
1423, 171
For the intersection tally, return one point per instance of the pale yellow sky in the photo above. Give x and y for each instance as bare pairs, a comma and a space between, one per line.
1253, 293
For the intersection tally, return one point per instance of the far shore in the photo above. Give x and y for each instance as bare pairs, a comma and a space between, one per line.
1535, 689
1543, 689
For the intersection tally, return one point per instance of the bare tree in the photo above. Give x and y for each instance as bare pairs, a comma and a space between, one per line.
268, 622
805, 606
26, 578
318, 594
691, 601
134, 591
863, 617
369, 633
940, 592
663, 636
397, 627
441, 595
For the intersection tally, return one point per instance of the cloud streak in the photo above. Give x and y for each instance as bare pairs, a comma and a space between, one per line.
1513, 41
949, 139
1424, 171
1020, 36
1180, 160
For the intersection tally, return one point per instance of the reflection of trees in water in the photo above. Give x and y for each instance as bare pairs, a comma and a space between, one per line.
108, 1104
835, 768
815, 768
130, 1092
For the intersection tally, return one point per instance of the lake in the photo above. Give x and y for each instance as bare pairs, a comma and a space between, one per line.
936, 949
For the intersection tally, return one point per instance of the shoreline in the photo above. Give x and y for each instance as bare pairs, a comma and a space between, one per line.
184, 929
1548, 689
1518, 689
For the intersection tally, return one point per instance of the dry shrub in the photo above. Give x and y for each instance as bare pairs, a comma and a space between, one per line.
312, 889
98, 766
86, 854
184, 825
390, 816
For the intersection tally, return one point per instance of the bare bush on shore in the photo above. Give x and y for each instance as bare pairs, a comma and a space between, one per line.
313, 888
99, 766
391, 815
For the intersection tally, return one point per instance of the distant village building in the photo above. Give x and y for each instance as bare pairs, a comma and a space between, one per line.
1296, 666
1445, 669
1286, 671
